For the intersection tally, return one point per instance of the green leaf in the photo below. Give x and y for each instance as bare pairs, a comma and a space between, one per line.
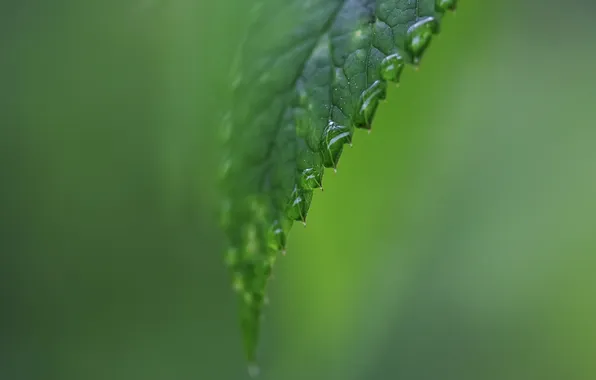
308, 74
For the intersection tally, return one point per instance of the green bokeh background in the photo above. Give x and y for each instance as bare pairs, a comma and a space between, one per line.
457, 241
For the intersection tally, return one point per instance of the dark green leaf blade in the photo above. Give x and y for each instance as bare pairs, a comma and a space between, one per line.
308, 74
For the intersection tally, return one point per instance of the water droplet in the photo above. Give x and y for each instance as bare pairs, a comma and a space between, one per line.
358, 36
278, 234
391, 67
420, 35
445, 5
311, 178
369, 102
309, 157
299, 204
334, 138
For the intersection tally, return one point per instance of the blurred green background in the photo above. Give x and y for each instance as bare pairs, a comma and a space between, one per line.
457, 241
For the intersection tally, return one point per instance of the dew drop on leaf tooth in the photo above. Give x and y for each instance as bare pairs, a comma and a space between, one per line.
445, 5
309, 167
420, 35
311, 178
299, 204
369, 101
332, 143
391, 67
278, 235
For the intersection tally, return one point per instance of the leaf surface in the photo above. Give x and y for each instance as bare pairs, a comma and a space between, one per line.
309, 73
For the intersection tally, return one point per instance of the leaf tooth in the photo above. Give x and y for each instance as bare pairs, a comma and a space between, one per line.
368, 103
299, 204
311, 178
309, 168
278, 234
392, 67
332, 142
419, 36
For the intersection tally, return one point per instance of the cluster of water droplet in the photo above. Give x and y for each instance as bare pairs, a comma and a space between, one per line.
335, 136
261, 240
